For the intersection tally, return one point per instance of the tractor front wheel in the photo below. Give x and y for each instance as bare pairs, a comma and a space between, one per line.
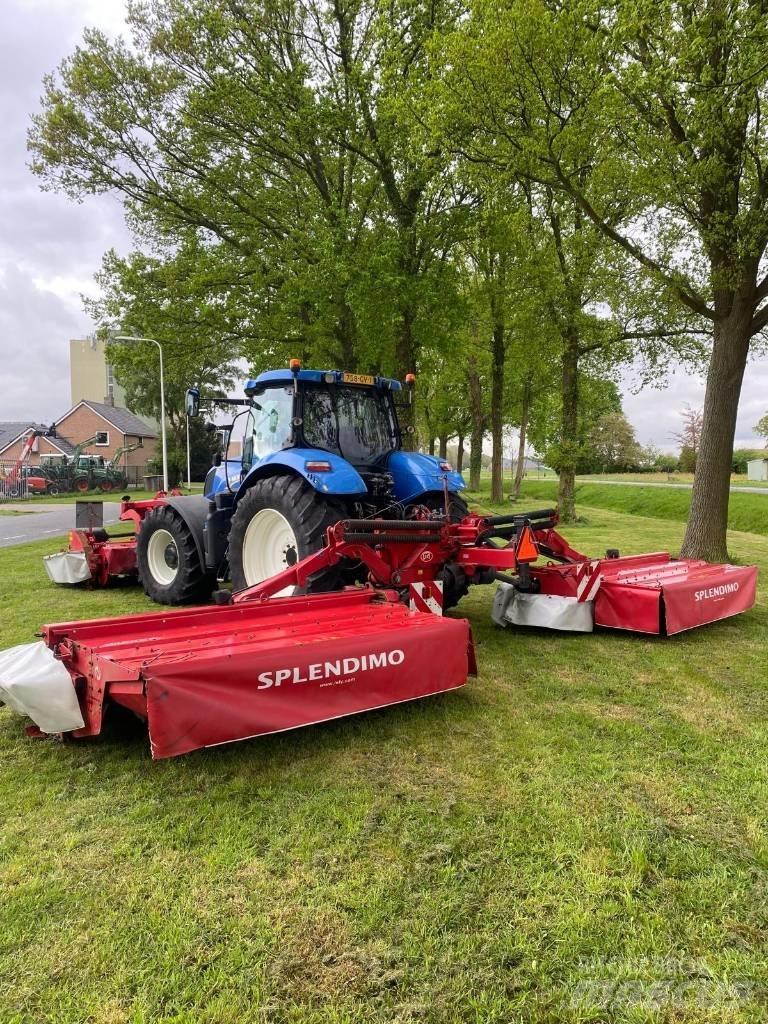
279, 521
168, 561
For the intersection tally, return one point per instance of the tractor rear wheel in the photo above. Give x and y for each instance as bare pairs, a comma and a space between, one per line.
279, 521
169, 564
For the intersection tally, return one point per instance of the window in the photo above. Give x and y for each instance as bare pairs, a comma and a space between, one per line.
102, 438
355, 422
269, 428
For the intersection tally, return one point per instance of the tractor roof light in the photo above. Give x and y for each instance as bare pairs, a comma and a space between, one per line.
295, 365
410, 379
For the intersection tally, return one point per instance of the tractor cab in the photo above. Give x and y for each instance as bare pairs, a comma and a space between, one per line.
349, 414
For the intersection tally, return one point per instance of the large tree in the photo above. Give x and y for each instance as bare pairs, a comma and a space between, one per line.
268, 152
664, 101
215, 129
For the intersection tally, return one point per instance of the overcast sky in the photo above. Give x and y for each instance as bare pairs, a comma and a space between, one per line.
50, 248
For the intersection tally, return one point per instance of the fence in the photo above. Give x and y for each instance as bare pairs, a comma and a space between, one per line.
14, 481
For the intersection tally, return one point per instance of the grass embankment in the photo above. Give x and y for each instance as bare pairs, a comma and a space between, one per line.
575, 834
737, 479
747, 512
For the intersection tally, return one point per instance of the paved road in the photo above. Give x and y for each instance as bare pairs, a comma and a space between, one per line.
45, 521
741, 489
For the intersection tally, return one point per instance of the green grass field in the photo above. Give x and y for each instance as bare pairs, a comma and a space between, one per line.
747, 512
577, 835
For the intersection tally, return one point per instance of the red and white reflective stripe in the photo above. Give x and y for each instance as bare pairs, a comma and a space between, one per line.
426, 597
589, 581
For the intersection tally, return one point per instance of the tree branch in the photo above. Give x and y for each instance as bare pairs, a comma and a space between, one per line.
686, 296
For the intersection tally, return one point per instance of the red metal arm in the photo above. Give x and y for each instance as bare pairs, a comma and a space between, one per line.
397, 553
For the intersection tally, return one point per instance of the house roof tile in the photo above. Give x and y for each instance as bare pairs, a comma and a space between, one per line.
121, 419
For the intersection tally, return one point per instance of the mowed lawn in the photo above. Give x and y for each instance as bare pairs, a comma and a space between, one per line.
577, 835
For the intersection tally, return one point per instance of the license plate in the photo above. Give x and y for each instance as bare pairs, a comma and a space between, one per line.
357, 378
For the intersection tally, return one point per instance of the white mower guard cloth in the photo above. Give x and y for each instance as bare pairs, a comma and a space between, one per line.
67, 567
546, 611
35, 684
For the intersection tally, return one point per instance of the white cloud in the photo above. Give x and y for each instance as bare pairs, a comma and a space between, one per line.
50, 248
655, 413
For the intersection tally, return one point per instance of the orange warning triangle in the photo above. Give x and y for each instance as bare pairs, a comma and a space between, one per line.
526, 547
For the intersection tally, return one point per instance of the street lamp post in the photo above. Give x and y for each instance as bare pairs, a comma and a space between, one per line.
189, 461
131, 337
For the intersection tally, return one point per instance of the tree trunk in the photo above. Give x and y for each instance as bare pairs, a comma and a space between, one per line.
460, 453
706, 533
477, 429
524, 414
497, 413
569, 427
405, 359
443, 446
345, 333
431, 445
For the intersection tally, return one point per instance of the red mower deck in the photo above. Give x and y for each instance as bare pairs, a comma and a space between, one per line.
94, 557
206, 676
652, 593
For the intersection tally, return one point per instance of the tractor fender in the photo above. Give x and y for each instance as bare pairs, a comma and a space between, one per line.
193, 510
341, 479
416, 474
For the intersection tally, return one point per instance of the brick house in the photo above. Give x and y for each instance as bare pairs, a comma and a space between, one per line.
112, 427
14, 433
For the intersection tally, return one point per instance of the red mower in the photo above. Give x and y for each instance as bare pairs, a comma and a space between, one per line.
254, 663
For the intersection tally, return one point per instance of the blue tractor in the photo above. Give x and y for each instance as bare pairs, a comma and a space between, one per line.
318, 446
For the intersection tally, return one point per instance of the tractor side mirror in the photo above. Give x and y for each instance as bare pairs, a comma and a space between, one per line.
192, 402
